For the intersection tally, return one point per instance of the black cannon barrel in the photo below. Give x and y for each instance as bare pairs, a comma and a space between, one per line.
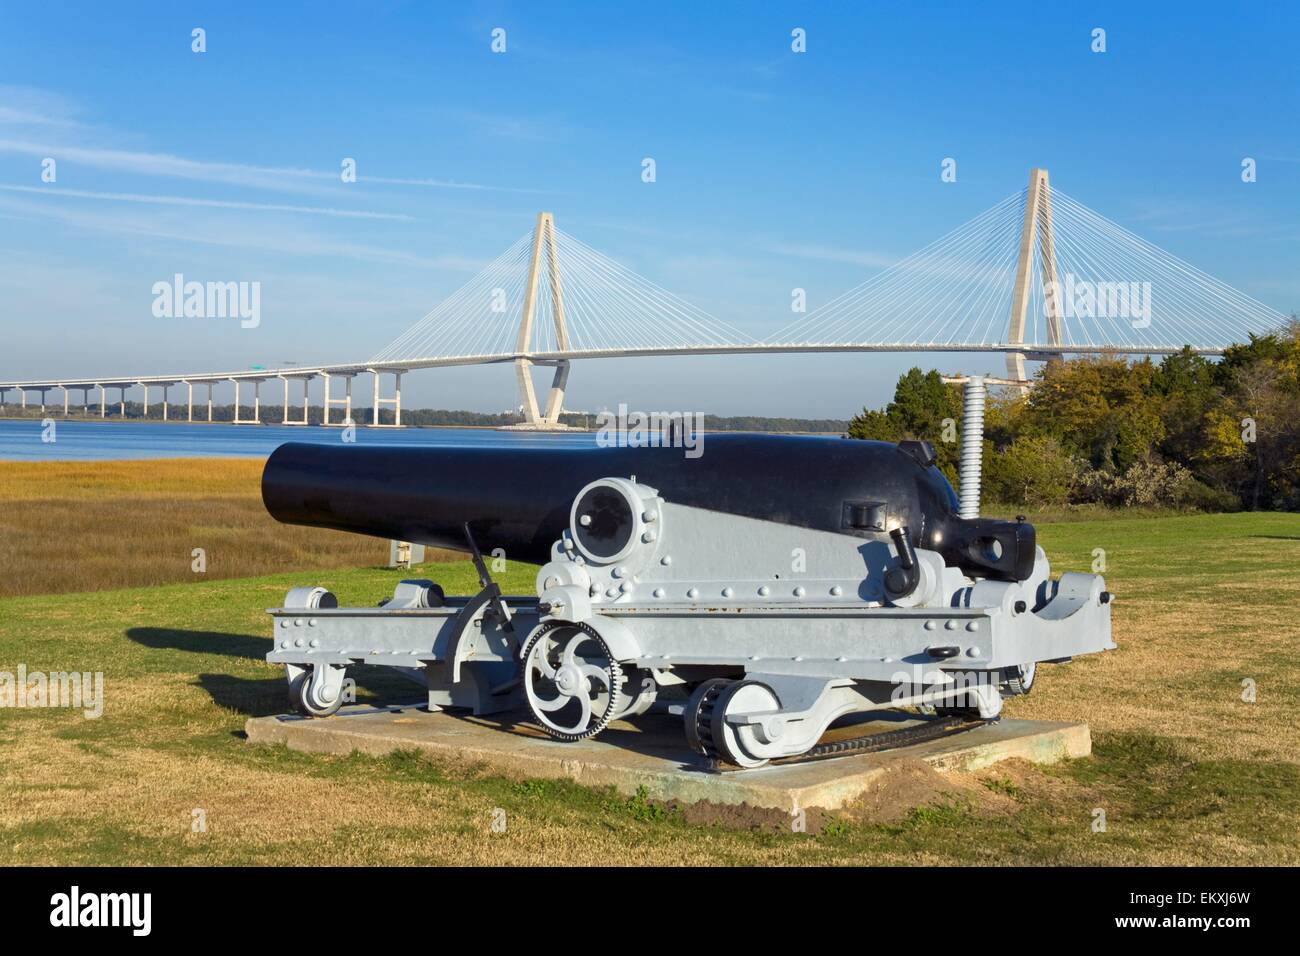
518, 498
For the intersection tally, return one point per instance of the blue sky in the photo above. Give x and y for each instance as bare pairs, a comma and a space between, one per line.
775, 170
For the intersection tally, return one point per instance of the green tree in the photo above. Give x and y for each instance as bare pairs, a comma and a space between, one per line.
1032, 470
1100, 409
924, 408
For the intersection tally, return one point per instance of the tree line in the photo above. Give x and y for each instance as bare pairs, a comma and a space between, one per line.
1188, 431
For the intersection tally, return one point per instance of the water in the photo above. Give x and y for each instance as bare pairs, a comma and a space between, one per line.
21, 440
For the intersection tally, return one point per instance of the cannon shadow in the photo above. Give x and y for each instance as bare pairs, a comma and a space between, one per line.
260, 696
247, 646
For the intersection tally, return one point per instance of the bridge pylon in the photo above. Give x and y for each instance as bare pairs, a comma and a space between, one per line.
543, 244
1036, 230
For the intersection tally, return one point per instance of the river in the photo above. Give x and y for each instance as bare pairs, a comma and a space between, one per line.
29, 440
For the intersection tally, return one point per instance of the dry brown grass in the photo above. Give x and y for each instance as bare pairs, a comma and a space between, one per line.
89, 526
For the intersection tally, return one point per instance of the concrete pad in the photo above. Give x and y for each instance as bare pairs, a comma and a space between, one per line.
652, 753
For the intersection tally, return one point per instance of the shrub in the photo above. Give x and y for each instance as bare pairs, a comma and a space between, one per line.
1032, 470
1147, 482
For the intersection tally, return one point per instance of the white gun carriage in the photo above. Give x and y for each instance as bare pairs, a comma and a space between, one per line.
762, 592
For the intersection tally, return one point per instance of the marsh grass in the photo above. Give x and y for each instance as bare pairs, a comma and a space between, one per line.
89, 526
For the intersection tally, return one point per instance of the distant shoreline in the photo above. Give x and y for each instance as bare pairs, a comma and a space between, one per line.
58, 416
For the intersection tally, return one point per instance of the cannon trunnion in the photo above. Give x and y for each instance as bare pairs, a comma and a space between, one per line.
761, 592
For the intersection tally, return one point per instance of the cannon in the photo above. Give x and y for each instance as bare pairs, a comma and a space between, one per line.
762, 592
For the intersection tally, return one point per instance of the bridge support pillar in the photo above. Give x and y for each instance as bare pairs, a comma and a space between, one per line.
257, 403
543, 245
189, 401
210, 386
555, 401
65, 400
395, 401
165, 388
1036, 229
306, 401
345, 401
145, 414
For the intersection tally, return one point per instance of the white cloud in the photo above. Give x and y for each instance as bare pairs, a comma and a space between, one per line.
164, 164
209, 203
237, 174
235, 235
28, 106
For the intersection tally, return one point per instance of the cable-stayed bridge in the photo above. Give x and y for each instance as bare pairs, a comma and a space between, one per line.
1037, 276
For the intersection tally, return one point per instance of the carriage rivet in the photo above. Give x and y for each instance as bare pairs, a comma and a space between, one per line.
659, 592
764, 591
311, 622
693, 593
727, 592
973, 626
836, 591
930, 625
315, 642
298, 643
951, 625
666, 560
799, 591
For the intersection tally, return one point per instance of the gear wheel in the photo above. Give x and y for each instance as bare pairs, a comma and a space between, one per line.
699, 716
556, 675
1020, 680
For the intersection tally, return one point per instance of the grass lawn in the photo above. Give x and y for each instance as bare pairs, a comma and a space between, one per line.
1186, 771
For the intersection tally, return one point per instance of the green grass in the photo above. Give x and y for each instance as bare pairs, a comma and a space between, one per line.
1185, 771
